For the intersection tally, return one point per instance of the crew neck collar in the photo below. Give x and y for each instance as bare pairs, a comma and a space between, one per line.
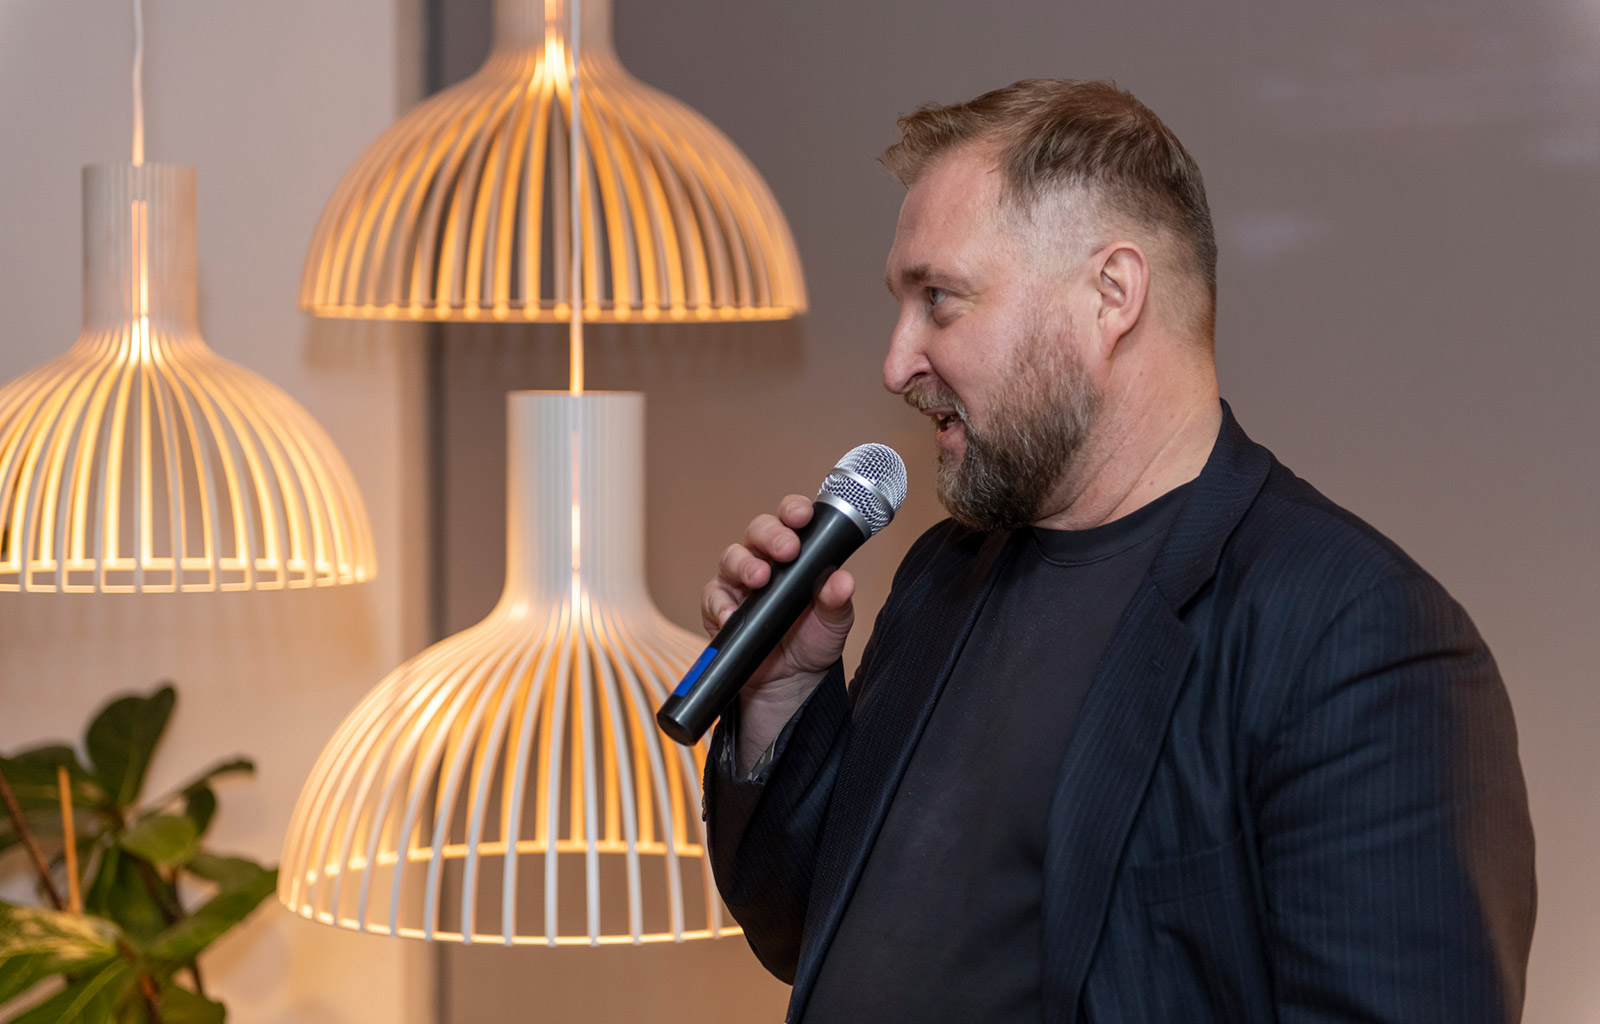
1078, 547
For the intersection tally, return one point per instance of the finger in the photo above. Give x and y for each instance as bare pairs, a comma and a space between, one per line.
740, 569
717, 602
768, 537
738, 565
795, 511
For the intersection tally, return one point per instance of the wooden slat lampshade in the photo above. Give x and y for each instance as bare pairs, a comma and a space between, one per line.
460, 210
140, 460
509, 784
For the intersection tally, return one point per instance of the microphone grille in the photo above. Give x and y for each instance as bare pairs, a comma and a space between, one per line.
872, 480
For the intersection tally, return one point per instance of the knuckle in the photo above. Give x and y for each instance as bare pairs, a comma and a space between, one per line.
796, 509
762, 524
733, 557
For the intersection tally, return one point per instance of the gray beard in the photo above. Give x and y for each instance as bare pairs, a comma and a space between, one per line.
1013, 465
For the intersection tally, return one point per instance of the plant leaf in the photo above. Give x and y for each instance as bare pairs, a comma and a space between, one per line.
97, 893
47, 830
163, 839
226, 872
32, 775
71, 940
88, 1000
184, 940
199, 806
20, 972
122, 738
234, 766
120, 892
180, 1006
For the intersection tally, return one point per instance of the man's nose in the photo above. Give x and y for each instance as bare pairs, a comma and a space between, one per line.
906, 360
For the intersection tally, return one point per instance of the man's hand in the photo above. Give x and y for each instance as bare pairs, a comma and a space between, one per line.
788, 675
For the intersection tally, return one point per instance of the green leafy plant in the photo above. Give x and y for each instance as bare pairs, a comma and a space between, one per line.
152, 897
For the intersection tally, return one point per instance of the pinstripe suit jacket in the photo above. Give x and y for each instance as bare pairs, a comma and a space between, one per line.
1292, 793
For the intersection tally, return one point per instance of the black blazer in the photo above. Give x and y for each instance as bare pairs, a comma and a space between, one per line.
1292, 793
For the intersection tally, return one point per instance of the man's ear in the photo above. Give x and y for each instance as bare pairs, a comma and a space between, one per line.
1122, 278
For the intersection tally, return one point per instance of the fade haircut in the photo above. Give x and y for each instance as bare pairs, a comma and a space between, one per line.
1051, 134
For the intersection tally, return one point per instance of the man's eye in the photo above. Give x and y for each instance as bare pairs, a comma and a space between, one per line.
935, 296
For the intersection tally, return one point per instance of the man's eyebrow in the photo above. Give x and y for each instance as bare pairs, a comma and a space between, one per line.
917, 276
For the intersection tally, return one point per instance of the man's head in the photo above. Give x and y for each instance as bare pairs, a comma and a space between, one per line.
1096, 146
1043, 224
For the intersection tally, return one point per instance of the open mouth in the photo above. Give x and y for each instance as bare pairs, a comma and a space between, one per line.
942, 407
948, 426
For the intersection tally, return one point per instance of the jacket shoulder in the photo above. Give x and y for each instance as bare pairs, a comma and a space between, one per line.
1306, 591
1296, 549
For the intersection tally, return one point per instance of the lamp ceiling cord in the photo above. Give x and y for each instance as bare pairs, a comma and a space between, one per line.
575, 175
138, 83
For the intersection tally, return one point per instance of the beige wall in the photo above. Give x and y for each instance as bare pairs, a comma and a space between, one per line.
1408, 200
270, 101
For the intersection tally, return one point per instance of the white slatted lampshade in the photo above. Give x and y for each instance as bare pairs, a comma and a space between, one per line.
509, 784
460, 210
140, 460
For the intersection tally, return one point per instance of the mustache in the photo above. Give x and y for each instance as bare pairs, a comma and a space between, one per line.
935, 394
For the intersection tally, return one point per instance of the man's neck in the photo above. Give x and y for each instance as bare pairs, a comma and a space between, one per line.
1140, 453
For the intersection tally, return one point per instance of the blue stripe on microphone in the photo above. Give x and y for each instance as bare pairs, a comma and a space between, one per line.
694, 671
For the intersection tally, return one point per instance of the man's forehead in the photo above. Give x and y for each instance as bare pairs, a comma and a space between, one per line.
964, 179
941, 233
952, 198
952, 225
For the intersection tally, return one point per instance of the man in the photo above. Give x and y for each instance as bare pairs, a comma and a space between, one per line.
1149, 731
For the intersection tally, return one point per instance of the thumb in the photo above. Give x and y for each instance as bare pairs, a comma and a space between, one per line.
833, 603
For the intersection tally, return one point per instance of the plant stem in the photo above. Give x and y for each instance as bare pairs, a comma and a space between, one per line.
21, 825
69, 836
154, 885
152, 997
194, 965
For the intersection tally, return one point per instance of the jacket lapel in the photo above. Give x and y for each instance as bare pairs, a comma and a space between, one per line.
1125, 716
1119, 733
887, 722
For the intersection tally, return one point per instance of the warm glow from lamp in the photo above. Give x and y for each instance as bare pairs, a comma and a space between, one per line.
509, 784
463, 210
142, 461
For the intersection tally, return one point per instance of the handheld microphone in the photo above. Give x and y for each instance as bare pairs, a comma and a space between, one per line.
857, 500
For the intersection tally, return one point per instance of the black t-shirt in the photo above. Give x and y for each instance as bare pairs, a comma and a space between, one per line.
945, 923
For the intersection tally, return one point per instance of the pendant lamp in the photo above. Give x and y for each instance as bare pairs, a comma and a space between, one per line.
460, 210
509, 784
140, 460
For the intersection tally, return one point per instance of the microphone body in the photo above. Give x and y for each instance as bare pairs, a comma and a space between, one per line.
857, 499
756, 627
